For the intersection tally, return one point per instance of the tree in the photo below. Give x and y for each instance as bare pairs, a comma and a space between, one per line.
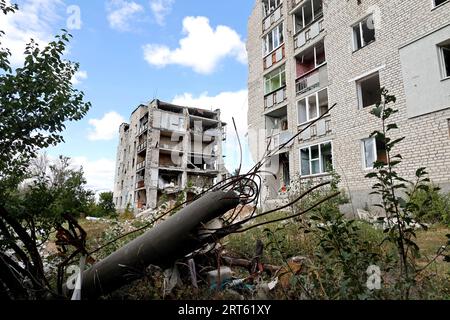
106, 205
35, 102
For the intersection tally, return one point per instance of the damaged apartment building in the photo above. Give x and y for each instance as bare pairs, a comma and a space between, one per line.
307, 55
165, 153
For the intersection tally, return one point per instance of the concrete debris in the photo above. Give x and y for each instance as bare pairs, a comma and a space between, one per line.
171, 280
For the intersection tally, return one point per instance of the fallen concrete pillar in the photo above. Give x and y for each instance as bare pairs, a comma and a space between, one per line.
160, 246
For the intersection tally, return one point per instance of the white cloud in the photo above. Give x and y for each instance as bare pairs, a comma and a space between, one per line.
160, 9
231, 104
34, 19
201, 49
120, 12
98, 173
78, 77
106, 128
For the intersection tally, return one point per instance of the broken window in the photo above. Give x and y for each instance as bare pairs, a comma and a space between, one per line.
270, 5
307, 13
311, 59
363, 33
445, 53
439, 2
369, 92
374, 151
273, 39
313, 106
317, 159
275, 80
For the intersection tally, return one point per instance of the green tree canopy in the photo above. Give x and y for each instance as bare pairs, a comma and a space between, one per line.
36, 101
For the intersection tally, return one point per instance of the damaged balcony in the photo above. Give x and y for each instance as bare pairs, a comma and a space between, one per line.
143, 125
140, 183
169, 142
277, 129
272, 13
308, 22
170, 159
169, 182
142, 147
311, 69
200, 126
278, 183
202, 162
274, 49
143, 129
169, 121
141, 166
141, 198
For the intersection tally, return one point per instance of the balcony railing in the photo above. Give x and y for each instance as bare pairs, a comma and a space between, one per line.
143, 128
140, 184
141, 165
272, 18
307, 83
278, 139
319, 129
275, 98
307, 34
274, 57
142, 147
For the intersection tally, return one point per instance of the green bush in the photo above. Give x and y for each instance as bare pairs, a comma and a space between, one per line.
433, 205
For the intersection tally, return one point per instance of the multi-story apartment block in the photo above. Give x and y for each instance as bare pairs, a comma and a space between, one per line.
306, 55
166, 150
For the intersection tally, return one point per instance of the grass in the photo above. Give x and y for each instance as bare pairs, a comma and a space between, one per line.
283, 241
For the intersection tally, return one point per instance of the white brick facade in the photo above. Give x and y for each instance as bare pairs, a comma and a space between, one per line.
398, 23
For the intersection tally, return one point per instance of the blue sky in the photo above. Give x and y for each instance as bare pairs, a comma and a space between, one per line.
190, 52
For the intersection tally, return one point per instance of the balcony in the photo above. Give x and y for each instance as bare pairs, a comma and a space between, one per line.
275, 98
142, 147
320, 129
318, 78
278, 139
274, 57
308, 34
169, 121
178, 147
143, 129
272, 18
140, 184
141, 165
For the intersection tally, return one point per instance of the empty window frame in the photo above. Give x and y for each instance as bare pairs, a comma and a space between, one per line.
270, 5
312, 107
444, 51
311, 59
363, 33
275, 80
310, 11
368, 90
317, 159
273, 39
438, 2
374, 150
